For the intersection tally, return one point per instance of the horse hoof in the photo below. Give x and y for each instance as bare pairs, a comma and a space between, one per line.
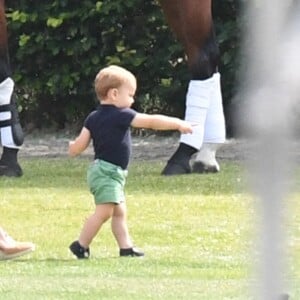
200, 167
10, 171
173, 168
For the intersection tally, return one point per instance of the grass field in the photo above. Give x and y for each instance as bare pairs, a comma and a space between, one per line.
197, 232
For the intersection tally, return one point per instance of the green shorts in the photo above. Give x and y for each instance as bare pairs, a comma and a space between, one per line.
106, 182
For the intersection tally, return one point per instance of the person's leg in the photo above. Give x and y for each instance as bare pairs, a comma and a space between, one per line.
119, 226
9, 248
93, 224
90, 229
120, 230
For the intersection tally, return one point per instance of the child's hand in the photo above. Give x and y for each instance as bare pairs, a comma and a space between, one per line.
185, 127
78, 145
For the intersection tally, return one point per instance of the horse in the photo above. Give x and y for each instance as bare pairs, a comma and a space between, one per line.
11, 132
192, 24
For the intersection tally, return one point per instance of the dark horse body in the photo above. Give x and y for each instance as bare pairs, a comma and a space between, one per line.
191, 21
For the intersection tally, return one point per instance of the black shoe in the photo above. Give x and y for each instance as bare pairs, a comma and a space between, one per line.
79, 251
131, 252
10, 170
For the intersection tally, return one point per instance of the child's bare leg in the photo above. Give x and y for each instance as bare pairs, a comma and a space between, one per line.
93, 224
121, 233
90, 228
119, 226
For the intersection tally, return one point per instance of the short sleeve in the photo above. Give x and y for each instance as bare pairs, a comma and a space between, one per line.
87, 121
126, 116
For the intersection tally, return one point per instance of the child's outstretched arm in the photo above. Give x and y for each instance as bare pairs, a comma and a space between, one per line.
80, 143
161, 122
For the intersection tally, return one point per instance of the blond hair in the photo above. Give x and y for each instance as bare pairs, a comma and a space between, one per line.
111, 77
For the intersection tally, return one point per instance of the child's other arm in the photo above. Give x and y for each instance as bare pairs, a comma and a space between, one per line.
80, 143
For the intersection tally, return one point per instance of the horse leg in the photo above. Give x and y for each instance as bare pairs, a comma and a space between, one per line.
214, 132
192, 23
11, 133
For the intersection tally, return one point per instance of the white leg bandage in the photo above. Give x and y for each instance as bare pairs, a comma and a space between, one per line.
214, 128
204, 111
6, 133
214, 131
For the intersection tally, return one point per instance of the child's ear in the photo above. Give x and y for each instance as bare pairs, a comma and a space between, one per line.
113, 93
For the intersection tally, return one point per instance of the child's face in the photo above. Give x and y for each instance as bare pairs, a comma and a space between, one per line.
125, 94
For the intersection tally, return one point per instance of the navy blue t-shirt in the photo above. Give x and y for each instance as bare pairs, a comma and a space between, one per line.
110, 131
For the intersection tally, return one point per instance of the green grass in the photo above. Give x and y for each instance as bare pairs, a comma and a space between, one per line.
196, 231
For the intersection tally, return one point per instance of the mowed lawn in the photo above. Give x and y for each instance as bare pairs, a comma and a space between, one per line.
199, 234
